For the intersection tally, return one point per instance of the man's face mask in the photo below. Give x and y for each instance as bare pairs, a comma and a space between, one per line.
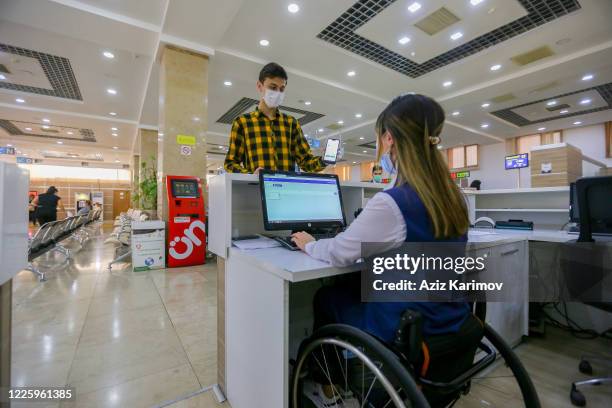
273, 98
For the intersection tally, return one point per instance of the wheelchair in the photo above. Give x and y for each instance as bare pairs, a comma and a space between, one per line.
360, 370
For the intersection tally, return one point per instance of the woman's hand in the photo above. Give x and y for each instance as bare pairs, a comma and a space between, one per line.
301, 239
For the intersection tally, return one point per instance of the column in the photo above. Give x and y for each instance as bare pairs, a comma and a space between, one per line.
183, 96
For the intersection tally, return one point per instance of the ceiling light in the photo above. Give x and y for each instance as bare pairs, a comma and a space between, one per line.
108, 54
321, 130
447, 84
351, 73
455, 113
46, 120
307, 103
19, 100
361, 137
551, 103
115, 134
495, 67
220, 147
484, 125
293, 8
414, 7
111, 91
227, 83
485, 105
2, 77
117, 161
29, 129
9, 145
585, 101
341, 122
358, 115
196, 119
45, 127
113, 113
475, 2
587, 77
70, 133
404, 40
456, 36
365, 151
412, 54
354, 162
264, 43
114, 129
577, 122
60, 142
541, 129
115, 147
563, 111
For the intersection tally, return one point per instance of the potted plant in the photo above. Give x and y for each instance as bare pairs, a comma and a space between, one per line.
145, 193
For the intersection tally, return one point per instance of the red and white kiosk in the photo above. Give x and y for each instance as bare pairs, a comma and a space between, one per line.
186, 221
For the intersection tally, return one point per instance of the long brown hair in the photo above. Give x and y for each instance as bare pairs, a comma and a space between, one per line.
415, 123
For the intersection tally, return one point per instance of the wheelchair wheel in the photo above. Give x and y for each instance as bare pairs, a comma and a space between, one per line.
356, 368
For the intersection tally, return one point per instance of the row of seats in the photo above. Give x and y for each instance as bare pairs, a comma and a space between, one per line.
51, 236
122, 234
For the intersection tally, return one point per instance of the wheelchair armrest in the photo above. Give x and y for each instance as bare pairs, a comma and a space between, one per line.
409, 335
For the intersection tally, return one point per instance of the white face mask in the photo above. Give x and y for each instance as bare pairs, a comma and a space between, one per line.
273, 98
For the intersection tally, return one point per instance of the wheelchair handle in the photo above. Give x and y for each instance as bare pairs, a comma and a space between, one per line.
409, 336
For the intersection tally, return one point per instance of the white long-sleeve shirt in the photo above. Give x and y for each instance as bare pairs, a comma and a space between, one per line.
380, 221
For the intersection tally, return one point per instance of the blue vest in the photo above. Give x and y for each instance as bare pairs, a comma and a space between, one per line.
382, 318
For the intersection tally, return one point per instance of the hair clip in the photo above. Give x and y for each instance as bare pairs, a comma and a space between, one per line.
434, 140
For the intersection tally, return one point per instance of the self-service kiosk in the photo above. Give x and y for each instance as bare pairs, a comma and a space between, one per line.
186, 221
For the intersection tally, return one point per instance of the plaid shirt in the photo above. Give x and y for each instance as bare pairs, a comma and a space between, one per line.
273, 144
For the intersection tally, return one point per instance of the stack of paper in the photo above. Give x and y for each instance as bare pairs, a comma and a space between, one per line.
257, 243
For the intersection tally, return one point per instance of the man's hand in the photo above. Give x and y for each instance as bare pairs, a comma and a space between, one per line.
301, 239
256, 172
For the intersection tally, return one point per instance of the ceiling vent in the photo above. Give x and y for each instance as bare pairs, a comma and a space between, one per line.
84, 164
557, 107
50, 130
125, 166
503, 98
545, 87
437, 21
334, 126
532, 56
4, 69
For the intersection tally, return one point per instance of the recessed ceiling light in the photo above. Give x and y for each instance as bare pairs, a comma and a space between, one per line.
404, 40
108, 54
220, 147
577, 122
358, 115
19, 100
412, 54
485, 105
587, 77
113, 113
9, 145
70, 133
484, 125
365, 151
361, 137
321, 130
115, 134
114, 129
2, 77
563, 111
293, 8
585, 101
456, 36
495, 67
60, 142
111, 91
354, 162
45, 127
29, 129
117, 161
115, 147
341, 122
475, 2
455, 113
414, 7
307, 103
551, 103
446, 84
196, 119
227, 83
541, 129
46, 120
264, 43
351, 73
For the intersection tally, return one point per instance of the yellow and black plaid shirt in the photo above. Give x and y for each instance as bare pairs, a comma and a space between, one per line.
273, 144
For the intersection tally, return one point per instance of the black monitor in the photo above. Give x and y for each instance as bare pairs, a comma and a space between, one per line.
300, 201
185, 188
574, 213
597, 193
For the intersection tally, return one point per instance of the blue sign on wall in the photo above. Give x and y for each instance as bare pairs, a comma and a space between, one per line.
7, 150
314, 143
25, 160
517, 161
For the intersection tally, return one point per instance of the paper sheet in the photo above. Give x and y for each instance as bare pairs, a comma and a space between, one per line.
257, 243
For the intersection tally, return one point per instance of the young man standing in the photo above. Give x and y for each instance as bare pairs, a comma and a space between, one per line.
267, 138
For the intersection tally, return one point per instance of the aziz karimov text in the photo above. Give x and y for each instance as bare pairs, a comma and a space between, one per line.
450, 285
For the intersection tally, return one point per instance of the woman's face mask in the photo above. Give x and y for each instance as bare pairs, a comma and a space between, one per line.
377, 178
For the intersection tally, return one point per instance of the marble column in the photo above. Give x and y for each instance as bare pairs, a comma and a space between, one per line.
183, 105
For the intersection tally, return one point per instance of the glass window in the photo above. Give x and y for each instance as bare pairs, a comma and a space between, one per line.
525, 143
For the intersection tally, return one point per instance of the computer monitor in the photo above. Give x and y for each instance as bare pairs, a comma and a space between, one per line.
185, 188
300, 201
516, 161
573, 204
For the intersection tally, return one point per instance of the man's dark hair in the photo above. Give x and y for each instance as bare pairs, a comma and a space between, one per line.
52, 190
272, 70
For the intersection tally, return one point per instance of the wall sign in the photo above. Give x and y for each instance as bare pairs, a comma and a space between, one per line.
517, 161
7, 150
460, 175
186, 140
24, 160
186, 150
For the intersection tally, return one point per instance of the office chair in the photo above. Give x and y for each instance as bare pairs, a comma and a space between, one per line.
594, 198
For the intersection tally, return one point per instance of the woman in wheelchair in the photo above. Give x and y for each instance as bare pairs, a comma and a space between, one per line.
370, 354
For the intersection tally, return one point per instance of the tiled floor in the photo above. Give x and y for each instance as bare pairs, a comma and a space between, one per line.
122, 339
145, 339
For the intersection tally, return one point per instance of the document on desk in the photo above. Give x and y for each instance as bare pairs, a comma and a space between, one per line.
257, 243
